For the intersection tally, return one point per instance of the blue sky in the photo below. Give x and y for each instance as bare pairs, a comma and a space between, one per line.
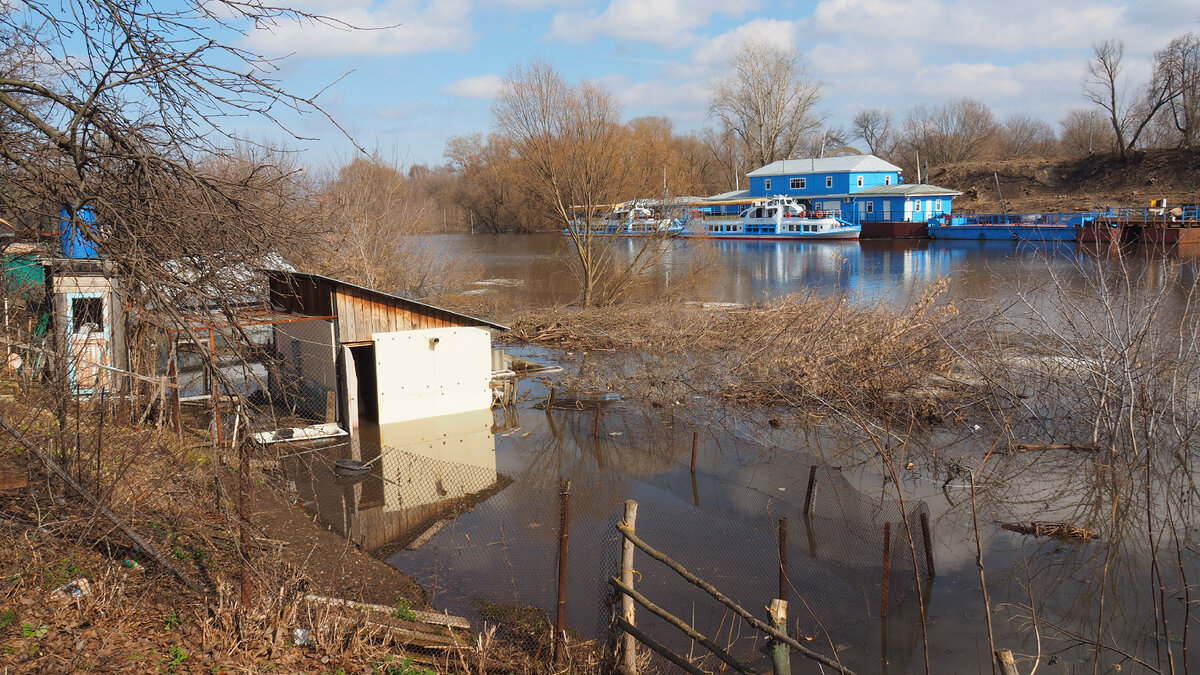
430, 77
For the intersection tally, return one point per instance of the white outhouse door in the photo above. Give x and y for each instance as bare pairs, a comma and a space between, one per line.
350, 400
438, 371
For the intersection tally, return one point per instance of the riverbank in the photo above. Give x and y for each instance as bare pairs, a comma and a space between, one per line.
134, 612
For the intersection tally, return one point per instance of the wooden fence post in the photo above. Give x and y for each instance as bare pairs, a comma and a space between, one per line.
628, 642
1005, 662
781, 654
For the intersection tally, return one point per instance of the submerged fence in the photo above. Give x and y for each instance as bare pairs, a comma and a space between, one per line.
486, 541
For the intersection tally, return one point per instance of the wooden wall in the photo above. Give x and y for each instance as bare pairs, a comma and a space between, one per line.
360, 312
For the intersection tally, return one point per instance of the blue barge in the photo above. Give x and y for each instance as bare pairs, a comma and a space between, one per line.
1010, 226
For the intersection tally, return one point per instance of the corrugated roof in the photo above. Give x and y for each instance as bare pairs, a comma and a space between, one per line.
906, 190
825, 165
729, 196
390, 297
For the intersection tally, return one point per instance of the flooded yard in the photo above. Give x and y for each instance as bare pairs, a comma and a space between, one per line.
1068, 494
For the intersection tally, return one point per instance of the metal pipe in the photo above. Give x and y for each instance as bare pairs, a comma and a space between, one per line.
560, 620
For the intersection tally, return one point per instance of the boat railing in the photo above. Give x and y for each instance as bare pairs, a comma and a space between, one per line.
1150, 214
1043, 219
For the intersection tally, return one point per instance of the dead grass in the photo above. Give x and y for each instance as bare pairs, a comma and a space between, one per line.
801, 350
141, 618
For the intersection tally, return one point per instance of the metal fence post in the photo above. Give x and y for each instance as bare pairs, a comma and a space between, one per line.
808, 494
887, 564
929, 571
628, 642
783, 560
560, 620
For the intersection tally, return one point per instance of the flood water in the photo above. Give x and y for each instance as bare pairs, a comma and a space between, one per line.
496, 548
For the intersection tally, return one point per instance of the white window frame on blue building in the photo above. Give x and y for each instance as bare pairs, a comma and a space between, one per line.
766, 184
797, 183
828, 182
887, 180
859, 181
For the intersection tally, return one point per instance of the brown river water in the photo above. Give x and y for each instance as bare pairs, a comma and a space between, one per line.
495, 546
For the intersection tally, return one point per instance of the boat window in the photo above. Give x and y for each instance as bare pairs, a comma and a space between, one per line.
797, 184
860, 181
828, 181
887, 180
767, 184
917, 205
870, 207
937, 205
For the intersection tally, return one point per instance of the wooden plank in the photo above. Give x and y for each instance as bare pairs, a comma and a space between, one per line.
433, 618
682, 626
737, 609
659, 648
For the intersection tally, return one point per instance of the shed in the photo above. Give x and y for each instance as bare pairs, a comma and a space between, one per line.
89, 321
385, 358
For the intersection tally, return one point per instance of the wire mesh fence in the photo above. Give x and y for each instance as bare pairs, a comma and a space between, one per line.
484, 543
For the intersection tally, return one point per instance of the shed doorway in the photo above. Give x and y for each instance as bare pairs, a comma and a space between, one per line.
362, 401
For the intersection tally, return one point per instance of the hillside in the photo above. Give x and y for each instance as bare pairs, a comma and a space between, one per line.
1074, 184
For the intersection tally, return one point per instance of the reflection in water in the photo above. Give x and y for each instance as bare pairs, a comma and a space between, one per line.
895, 271
420, 471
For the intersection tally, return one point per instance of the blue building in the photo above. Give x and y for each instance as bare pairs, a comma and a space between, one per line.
856, 187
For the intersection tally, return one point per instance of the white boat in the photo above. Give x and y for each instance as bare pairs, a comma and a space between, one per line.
781, 217
635, 221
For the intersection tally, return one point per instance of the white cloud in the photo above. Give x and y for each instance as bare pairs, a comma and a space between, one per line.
668, 23
393, 27
1000, 26
481, 86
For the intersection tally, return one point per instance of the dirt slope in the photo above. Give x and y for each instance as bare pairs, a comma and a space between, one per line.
1073, 184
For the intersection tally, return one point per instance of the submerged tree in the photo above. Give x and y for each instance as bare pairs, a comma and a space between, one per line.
767, 100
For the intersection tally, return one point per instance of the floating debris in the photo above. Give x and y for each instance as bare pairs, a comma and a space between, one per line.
1063, 531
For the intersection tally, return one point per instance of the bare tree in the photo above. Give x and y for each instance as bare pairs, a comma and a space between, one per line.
954, 131
729, 153
1025, 136
374, 214
1177, 67
1086, 130
874, 127
129, 110
767, 100
1104, 86
578, 162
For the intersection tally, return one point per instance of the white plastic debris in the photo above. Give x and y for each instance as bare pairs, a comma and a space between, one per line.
302, 637
72, 589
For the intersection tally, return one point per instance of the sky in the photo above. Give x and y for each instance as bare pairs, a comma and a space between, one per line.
429, 68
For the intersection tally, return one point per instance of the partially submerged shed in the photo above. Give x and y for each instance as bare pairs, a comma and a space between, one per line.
394, 359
